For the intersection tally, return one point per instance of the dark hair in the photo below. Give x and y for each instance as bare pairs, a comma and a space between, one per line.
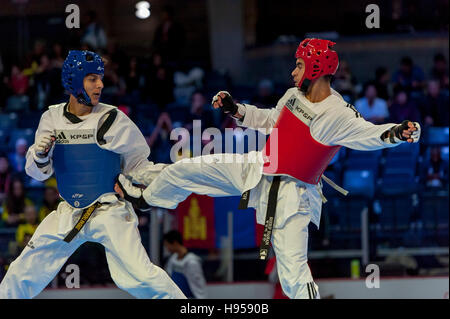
173, 236
328, 77
439, 57
367, 84
92, 14
406, 60
169, 10
399, 89
15, 205
380, 71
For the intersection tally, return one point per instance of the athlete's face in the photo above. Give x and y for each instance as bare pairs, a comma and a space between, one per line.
93, 85
298, 72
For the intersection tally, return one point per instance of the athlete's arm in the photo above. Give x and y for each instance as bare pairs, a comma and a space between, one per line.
125, 138
39, 162
350, 129
249, 115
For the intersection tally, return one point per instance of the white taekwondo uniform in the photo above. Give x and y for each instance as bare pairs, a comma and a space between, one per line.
114, 224
335, 123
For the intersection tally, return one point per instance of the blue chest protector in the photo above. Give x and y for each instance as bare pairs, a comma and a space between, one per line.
84, 171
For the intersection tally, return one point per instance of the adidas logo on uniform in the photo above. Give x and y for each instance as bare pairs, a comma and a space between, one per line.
290, 103
61, 138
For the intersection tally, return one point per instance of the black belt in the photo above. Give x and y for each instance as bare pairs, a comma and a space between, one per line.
87, 212
270, 215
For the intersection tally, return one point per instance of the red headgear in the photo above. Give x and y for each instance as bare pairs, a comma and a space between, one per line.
319, 59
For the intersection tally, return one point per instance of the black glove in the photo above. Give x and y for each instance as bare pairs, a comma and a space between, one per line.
132, 193
229, 107
396, 132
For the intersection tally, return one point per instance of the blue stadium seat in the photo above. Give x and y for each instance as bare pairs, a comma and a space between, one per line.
147, 110
401, 209
400, 165
359, 182
17, 103
242, 92
4, 135
444, 153
178, 113
354, 210
29, 120
327, 189
398, 183
437, 136
360, 160
8, 121
364, 154
27, 134
403, 150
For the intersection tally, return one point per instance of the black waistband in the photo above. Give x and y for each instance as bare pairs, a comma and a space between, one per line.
270, 215
87, 212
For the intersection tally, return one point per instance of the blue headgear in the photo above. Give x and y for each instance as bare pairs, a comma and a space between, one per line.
77, 65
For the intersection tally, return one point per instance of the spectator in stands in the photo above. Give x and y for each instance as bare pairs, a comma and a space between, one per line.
56, 91
409, 76
439, 70
161, 87
382, 83
5, 177
436, 171
34, 58
200, 110
371, 107
435, 105
51, 199
94, 35
18, 83
15, 203
184, 267
344, 82
117, 56
26, 230
403, 108
57, 56
160, 141
265, 96
42, 82
114, 86
3, 84
132, 76
169, 37
17, 159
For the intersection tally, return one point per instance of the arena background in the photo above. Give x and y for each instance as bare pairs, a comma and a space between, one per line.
396, 215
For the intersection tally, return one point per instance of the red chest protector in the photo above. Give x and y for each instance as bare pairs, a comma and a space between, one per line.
291, 150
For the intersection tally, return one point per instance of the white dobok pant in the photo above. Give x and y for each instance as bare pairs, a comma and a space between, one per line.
113, 225
213, 177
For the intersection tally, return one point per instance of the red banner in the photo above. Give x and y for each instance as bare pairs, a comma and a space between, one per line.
195, 218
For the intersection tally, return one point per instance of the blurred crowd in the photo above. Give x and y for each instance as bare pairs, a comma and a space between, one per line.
161, 93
